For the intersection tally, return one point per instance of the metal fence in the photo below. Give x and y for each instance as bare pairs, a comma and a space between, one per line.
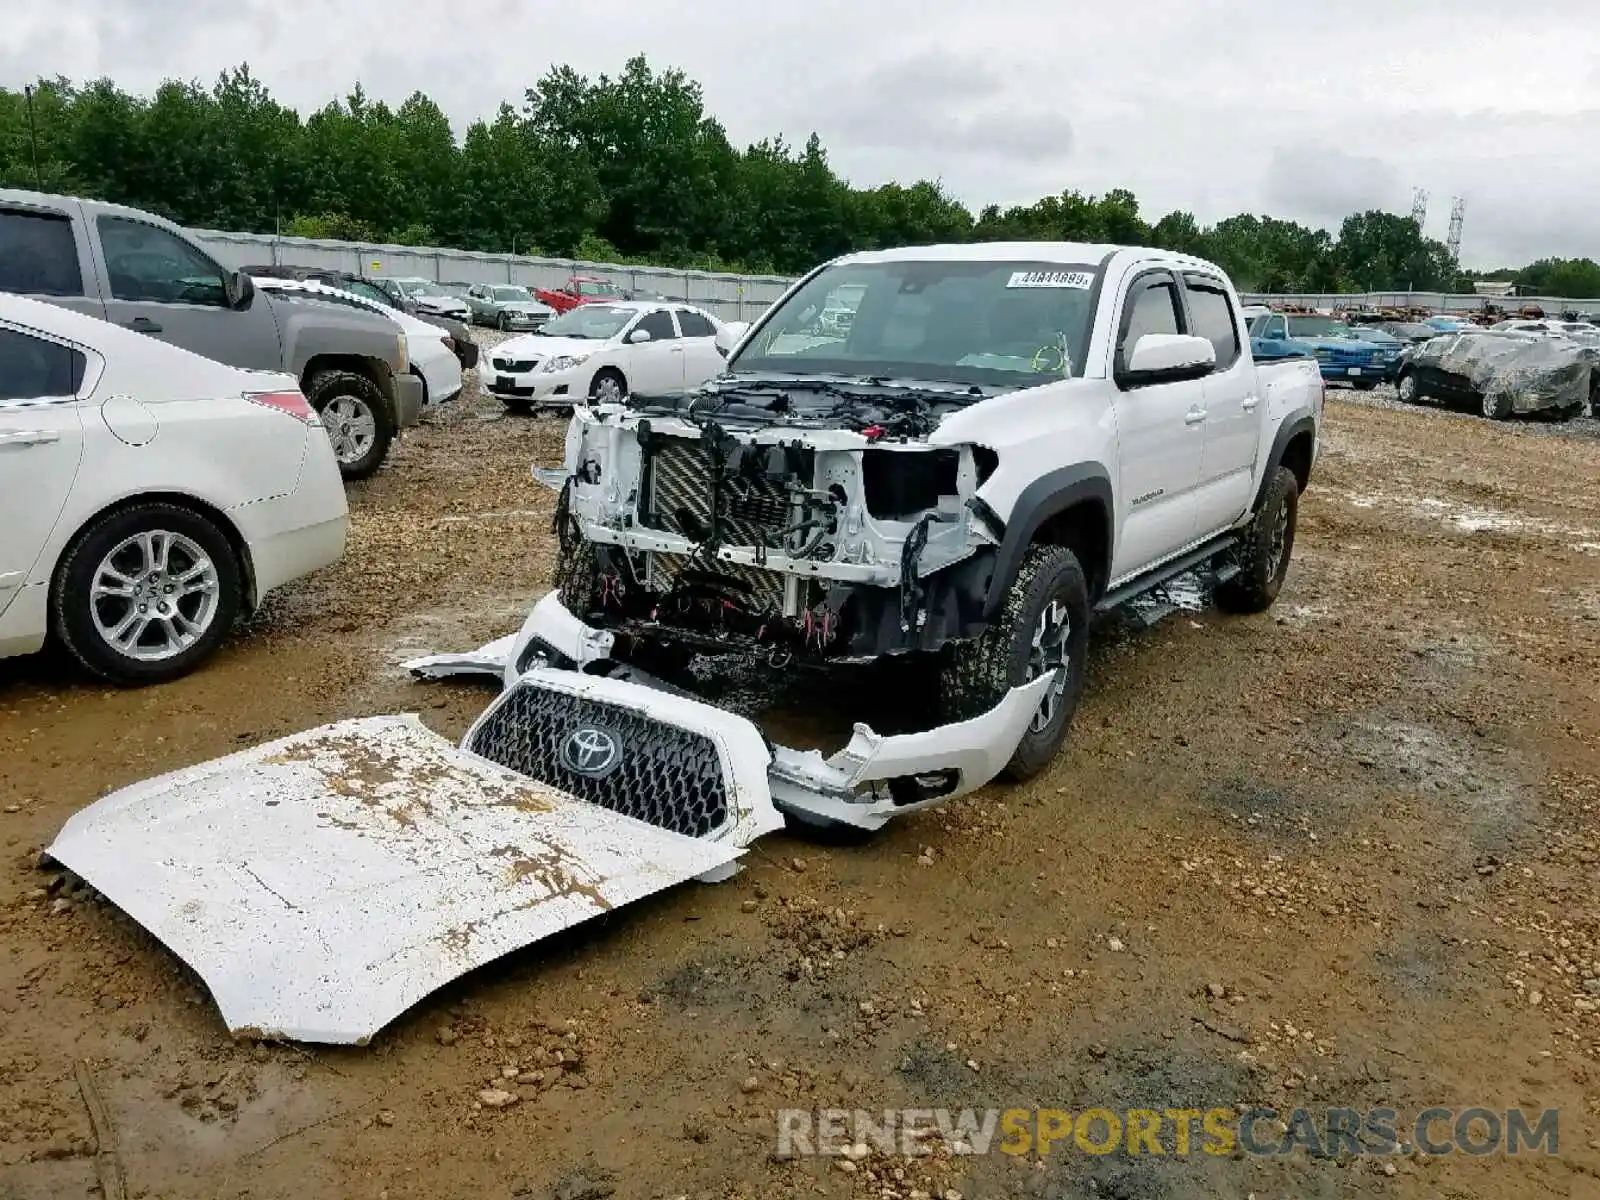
1438, 302
731, 297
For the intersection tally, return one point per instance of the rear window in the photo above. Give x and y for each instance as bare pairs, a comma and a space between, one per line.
38, 255
1213, 318
32, 368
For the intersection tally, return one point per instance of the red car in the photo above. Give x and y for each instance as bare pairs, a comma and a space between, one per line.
580, 289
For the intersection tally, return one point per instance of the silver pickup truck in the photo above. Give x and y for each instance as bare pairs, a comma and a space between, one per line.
135, 269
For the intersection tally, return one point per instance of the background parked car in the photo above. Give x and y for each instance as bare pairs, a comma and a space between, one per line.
581, 289
1387, 342
150, 495
428, 296
461, 343
1338, 349
506, 306
602, 352
1408, 331
134, 269
431, 350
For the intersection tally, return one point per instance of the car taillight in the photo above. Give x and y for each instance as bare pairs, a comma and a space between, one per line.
292, 403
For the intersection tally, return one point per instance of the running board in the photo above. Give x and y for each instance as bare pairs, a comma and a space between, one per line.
1171, 570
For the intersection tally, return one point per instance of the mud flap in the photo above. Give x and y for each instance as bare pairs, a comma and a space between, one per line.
324, 883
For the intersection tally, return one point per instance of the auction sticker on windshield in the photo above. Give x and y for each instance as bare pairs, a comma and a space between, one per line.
1051, 279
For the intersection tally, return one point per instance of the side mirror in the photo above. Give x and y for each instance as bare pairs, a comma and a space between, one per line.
730, 335
639, 335
1168, 358
238, 289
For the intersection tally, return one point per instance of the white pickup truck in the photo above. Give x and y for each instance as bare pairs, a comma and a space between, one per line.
1001, 439
950, 452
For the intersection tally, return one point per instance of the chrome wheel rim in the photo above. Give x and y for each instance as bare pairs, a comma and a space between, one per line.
154, 596
607, 390
1408, 389
1280, 540
351, 428
1047, 652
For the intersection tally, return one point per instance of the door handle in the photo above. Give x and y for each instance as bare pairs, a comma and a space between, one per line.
29, 437
144, 325
1194, 416
1250, 403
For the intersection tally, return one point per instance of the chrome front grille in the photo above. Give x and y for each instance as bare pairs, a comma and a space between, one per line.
666, 775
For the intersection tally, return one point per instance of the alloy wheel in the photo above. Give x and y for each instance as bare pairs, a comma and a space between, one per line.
154, 595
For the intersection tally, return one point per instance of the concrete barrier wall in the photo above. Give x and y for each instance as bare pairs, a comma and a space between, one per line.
731, 297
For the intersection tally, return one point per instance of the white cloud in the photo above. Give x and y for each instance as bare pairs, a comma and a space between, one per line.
1194, 105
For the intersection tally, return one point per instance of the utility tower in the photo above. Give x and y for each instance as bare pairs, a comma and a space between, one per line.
1458, 212
1419, 206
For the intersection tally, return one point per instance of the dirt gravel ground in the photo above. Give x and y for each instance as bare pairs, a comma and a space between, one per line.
1341, 854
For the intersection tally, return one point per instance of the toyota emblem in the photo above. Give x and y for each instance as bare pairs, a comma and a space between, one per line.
592, 751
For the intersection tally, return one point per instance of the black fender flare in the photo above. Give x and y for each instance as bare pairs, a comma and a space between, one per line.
1052, 493
1289, 429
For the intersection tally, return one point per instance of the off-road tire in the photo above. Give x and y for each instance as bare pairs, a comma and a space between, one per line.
73, 625
1262, 569
1495, 406
978, 673
323, 387
607, 373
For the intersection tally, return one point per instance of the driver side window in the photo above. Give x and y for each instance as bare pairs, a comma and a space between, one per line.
1153, 309
659, 323
1275, 328
148, 264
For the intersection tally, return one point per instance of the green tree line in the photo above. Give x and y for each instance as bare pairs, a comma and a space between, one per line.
625, 168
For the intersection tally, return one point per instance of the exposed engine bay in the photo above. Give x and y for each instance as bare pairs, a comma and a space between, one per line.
733, 522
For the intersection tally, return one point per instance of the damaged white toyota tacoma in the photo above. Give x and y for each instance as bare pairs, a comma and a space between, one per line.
1000, 440
952, 454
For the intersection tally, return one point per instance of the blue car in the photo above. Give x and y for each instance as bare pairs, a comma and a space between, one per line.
1385, 341
1344, 355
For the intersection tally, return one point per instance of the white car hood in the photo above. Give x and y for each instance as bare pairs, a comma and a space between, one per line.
324, 883
547, 347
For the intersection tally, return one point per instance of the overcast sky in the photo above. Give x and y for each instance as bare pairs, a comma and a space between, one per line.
1211, 105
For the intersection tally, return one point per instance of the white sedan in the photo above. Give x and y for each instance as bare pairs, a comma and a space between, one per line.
601, 352
433, 357
149, 495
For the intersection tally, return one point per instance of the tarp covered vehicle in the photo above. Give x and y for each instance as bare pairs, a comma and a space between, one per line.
1500, 374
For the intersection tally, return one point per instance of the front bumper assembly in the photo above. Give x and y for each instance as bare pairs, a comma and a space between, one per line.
871, 780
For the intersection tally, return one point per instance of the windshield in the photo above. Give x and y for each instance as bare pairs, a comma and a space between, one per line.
596, 321
511, 293
1006, 324
364, 289
598, 287
421, 287
1367, 333
1318, 327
